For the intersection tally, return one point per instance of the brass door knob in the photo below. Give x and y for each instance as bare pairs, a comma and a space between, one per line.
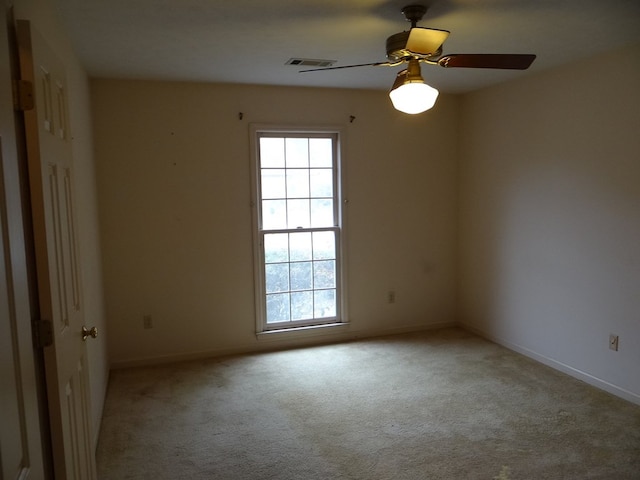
93, 333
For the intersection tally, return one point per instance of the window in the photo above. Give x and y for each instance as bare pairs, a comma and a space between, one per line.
298, 229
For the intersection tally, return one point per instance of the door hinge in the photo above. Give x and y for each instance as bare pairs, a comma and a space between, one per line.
44, 333
23, 98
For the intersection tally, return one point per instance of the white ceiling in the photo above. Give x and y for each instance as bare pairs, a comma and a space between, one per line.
249, 41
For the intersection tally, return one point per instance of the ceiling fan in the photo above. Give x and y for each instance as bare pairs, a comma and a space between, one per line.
409, 93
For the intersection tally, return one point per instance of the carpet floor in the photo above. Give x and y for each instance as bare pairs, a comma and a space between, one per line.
432, 405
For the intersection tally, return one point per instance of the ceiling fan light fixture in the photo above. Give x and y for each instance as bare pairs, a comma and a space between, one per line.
409, 94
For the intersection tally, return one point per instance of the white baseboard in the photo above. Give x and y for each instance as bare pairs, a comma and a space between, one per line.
283, 340
562, 367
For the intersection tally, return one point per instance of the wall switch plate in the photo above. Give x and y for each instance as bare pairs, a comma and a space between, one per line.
613, 342
147, 321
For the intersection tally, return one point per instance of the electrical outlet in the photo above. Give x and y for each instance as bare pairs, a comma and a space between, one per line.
613, 342
147, 321
391, 297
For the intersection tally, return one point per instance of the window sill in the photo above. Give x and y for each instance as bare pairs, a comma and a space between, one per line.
303, 332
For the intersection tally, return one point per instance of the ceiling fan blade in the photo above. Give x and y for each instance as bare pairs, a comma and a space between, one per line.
425, 41
482, 60
418, 41
376, 64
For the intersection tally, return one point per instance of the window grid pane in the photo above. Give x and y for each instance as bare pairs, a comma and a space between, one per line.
300, 195
300, 266
296, 192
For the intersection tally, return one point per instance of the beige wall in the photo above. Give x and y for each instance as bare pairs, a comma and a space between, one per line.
174, 190
44, 19
550, 217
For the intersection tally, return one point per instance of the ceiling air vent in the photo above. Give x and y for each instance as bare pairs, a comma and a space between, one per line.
309, 62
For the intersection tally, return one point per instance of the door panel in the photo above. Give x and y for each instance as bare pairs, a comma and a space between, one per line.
50, 166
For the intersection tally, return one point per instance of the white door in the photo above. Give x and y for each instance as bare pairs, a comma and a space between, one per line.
56, 254
20, 436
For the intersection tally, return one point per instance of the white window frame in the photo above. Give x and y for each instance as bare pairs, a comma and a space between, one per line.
340, 203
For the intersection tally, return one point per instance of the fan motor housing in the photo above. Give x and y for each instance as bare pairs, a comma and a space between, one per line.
396, 46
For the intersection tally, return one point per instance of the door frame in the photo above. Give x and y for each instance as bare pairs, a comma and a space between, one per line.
21, 272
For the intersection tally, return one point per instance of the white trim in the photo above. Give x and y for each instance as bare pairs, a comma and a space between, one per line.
340, 206
253, 203
562, 367
281, 340
305, 331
